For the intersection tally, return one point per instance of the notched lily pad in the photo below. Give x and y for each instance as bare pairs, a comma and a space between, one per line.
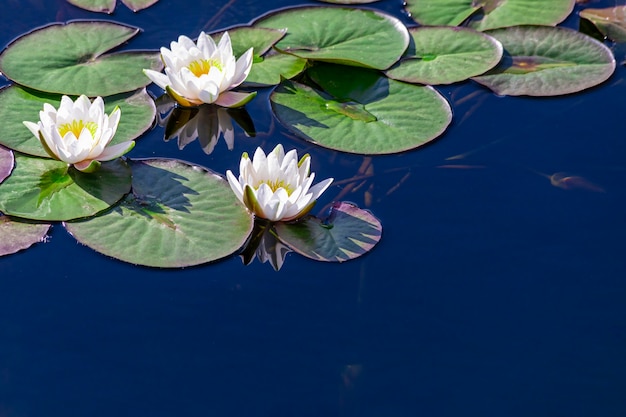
17, 235
6, 162
177, 215
347, 233
489, 14
18, 104
546, 61
46, 189
349, 36
610, 21
360, 111
108, 6
71, 59
445, 55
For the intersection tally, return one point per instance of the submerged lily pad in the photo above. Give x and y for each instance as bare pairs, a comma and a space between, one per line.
46, 189
610, 21
347, 233
18, 104
70, 59
349, 36
445, 55
490, 14
361, 111
17, 235
546, 61
177, 215
6, 162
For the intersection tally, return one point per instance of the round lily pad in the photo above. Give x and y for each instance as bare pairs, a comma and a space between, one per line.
489, 14
46, 189
347, 233
71, 59
17, 235
361, 111
177, 215
6, 162
547, 61
610, 21
349, 36
108, 6
445, 55
18, 104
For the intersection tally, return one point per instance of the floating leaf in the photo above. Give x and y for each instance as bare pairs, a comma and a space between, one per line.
99, 6
177, 215
17, 235
349, 1
546, 61
493, 14
445, 55
136, 5
610, 21
18, 104
46, 189
70, 59
6, 162
347, 233
361, 111
243, 38
359, 37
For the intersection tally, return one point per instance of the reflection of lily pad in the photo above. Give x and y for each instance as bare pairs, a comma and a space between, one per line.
361, 111
348, 36
493, 14
70, 59
347, 233
610, 21
177, 215
6, 162
46, 189
16, 235
546, 61
444, 55
18, 104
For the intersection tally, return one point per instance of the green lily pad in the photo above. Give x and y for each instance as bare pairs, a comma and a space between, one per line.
546, 61
18, 104
273, 67
177, 215
349, 36
108, 6
17, 235
70, 59
268, 65
445, 55
347, 233
46, 189
610, 21
6, 162
361, 111
490, 14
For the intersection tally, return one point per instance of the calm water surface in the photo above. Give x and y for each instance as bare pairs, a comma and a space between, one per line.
492, 293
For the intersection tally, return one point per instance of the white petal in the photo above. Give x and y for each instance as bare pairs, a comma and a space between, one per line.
115, 151
242, 68
158, 78
235, 185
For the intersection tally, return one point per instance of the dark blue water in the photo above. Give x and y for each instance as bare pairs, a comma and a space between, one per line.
492, 293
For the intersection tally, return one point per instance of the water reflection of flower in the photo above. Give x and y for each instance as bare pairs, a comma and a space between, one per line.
79, 132
207, 123
203, 72
265, 245
277, 187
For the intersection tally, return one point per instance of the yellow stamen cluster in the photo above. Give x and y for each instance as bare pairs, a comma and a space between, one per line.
275, 185
203, 66
76, 127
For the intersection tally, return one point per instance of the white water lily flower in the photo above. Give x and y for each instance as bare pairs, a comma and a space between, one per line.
277, 187
203, 72
78, 132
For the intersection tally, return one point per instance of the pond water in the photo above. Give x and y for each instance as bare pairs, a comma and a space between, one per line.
498, 288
